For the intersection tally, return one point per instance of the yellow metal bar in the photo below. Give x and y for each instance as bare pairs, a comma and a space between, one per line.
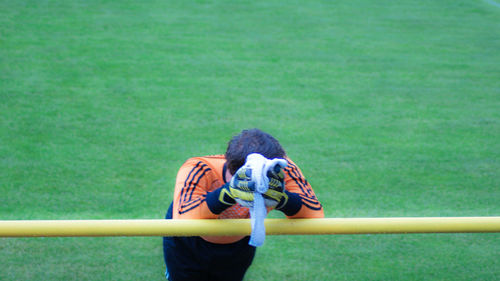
77, 228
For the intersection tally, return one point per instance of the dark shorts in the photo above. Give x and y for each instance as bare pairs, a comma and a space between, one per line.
192, 258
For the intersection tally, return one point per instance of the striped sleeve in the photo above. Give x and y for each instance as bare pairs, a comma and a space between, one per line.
296, 182
191, 188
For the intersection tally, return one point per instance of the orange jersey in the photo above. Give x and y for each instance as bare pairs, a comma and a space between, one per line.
200, 175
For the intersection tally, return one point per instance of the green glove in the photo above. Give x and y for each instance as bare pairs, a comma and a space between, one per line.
240, 189
275, 196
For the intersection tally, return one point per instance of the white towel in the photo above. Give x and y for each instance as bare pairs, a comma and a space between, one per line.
260, 165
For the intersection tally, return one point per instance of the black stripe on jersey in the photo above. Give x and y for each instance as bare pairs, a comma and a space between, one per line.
187, 180
197, 182
294, 173
317, 208
194, 204
311, 203
296, 176
308, 198
189, 187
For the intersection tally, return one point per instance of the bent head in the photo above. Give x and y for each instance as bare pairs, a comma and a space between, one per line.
251, 141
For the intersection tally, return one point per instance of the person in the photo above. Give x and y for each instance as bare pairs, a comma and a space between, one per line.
217, 187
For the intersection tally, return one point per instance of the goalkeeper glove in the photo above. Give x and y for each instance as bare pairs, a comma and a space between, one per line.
239, 189
275, 196
278, 197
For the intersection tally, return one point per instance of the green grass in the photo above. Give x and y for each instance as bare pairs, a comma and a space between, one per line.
390, 108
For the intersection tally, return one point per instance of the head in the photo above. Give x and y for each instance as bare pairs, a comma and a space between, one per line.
251, 141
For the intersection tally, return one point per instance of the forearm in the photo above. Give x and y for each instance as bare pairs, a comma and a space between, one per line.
306, 209
291, 205
218, 201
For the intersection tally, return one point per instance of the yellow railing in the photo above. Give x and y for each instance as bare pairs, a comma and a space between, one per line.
160, 227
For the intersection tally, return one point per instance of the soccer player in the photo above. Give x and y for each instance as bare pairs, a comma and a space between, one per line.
210, 187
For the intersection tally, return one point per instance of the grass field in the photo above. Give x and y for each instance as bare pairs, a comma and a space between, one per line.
391, 108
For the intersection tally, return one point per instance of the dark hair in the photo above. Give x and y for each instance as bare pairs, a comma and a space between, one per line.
251, 141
